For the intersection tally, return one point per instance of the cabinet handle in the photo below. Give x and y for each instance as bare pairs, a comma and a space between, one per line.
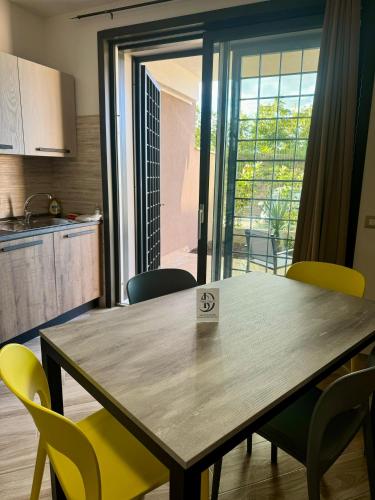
6, 146
81, 233
11, 248
52, 150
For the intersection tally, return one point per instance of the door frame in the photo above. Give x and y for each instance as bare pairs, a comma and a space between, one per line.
256, 20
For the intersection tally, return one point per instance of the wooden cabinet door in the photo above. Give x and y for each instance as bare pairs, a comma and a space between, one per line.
28, 288
11, 135
77, 260
48, 110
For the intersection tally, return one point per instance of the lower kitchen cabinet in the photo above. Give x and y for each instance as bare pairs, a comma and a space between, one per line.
78, 270
27, 284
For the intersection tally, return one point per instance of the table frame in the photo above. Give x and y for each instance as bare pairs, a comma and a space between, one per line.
184, 482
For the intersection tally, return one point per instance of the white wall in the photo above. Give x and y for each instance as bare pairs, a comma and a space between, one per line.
21, 32
172, 76
364, 259
72, 45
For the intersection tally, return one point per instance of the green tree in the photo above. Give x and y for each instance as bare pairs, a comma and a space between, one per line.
272, 148
279, 135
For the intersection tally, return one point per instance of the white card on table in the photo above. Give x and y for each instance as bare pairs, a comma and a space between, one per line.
208, 304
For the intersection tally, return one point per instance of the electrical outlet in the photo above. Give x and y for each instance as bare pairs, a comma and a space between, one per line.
370, 221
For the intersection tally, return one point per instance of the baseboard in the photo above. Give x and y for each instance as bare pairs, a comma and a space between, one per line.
63, 318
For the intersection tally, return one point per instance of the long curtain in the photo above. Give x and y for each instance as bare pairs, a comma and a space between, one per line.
325, 200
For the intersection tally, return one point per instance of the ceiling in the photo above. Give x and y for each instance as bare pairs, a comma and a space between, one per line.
47, 8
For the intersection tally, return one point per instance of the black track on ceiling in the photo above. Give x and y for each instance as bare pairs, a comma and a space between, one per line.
120, 9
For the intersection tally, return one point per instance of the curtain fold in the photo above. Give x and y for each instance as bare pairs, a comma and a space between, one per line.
325, 200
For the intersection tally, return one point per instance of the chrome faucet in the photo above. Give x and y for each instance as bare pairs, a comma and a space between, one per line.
27, 213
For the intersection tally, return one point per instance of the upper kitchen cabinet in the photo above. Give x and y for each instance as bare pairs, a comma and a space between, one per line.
11, 136
48, 110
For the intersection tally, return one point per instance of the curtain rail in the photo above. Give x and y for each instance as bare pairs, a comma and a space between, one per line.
120, 9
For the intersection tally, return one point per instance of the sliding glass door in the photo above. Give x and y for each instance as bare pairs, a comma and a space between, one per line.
262, 94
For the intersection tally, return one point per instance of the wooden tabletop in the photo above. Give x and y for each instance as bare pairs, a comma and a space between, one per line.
192, 386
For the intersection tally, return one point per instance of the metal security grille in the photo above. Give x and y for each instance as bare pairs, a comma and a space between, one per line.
272, 101
151, 171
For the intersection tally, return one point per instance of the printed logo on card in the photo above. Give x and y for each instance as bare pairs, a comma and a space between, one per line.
207, 302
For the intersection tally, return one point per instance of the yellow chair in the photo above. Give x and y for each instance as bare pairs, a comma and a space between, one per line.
94, 459
329, 276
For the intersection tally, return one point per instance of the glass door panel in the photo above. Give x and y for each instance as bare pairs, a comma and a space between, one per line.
265, 97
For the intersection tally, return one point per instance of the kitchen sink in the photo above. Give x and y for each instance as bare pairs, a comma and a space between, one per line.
35, 223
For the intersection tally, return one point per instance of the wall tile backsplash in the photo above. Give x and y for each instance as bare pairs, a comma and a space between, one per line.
75, 181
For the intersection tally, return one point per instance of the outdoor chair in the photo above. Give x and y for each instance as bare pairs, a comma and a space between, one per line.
152, 284
262, 250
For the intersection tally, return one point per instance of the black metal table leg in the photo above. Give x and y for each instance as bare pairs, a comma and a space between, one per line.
53, 372
184, 484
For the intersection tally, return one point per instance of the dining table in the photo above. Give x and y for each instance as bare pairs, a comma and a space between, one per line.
190, 391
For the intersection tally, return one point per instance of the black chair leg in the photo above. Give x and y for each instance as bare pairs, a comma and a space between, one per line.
313, 486
216, 479
249, 444
273, 454
370, 455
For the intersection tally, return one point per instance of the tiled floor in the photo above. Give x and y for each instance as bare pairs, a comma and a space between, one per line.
242, 477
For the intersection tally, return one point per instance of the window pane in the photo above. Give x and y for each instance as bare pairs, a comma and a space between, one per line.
263, 170
289, 106
290, 85
244, 189
287, 128
297, 188
268, 108
250, 66
299, 168
245, 170
266, 129
242, 208
306, 105
308, 83
269, 86
265, 150
283, 170
248, 109
246, 150
310, 60
247, 129
249, 88
291, 62
301, 149
270, 64
262, 190
304, 128
285, 150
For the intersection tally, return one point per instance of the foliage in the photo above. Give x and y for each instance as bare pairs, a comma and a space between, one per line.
273, 177
271, 149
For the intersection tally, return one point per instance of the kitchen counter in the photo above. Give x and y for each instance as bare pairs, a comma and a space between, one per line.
15, 235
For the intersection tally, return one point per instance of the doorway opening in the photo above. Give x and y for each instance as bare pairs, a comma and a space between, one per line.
169, 162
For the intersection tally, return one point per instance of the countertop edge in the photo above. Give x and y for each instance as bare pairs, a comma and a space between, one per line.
11, 236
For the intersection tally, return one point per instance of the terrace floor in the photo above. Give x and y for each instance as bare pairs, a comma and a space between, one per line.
242, 477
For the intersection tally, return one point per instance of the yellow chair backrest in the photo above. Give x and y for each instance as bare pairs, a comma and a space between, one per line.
329, 276
24, 376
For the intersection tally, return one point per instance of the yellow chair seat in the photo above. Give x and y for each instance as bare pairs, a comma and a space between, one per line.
127, 468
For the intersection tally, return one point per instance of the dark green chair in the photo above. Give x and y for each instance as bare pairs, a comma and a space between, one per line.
318, 427
152, 284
